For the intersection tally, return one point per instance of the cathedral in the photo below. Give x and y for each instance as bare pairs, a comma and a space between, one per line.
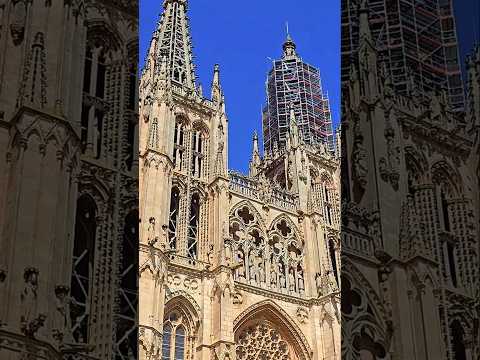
410, 209
231, 266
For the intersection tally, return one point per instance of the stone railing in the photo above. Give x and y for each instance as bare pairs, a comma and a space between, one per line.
284, 200
251, 189
187, 261
357, 243
243, 184
185, 92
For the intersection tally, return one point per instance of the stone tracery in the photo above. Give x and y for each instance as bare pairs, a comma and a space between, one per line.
272, 259
262, 341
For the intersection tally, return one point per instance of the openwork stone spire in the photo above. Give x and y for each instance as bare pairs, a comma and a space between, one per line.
174, 42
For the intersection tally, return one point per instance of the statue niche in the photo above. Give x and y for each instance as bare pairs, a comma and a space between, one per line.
272, 262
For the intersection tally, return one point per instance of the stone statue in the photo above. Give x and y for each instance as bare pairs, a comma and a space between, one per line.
152, 239
318, 283
281, 276
62, 320
261, 272
359, 162
253, 269
28, 297
221, 142
301, 282
241, 267
291, 280
210, 254
17, 27
273, 275
228, 252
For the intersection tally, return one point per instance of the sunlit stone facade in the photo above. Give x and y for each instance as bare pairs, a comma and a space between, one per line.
232, 266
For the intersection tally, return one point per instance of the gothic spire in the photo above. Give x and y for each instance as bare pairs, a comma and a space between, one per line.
255, 160
364, 27
217, 95
174, 42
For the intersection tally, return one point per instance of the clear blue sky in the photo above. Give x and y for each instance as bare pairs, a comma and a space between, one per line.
240, 36
467, 19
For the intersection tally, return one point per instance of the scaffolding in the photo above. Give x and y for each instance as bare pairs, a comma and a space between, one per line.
292, 82
417, 41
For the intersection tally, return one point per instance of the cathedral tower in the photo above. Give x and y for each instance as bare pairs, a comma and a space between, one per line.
293, 82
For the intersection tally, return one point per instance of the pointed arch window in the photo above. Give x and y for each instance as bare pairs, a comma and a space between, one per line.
445, 214
83, 266
327, 204
179, 343
126, 319
133, 87
175, 338
173, 221
452, 263
458, 343
167, 341
192, 239
93, 112
197, 153
333, 258
178, 147
101, 75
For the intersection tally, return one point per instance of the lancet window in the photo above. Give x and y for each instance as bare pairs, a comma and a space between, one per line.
173, 220
194, 216
126, 334
178, 147
275, 262
452, 209
325, 197
132, 126
175, 338
198, 153
333, 258
93, 108
83, 266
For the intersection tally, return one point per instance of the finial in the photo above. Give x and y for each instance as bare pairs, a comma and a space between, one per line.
216, 88
289, 46
364, 26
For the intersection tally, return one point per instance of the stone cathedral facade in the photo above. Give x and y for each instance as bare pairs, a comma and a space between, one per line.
410, 220
231, 266
68, 179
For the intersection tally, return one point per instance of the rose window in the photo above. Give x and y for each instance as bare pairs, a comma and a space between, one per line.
262, 342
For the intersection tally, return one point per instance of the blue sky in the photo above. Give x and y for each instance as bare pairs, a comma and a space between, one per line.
467, 20
240, 36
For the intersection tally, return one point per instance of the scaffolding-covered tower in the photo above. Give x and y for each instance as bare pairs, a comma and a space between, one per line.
292, 82
416, 41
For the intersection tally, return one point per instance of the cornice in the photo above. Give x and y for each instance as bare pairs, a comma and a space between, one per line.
268, 294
